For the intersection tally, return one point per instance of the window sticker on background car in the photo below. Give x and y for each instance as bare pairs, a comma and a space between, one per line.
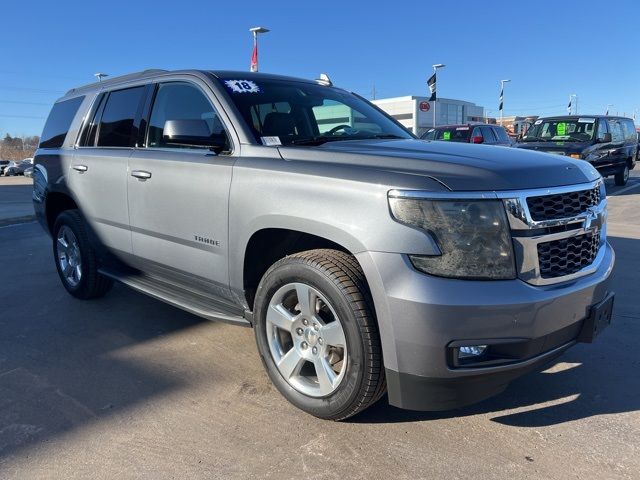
462, 128
242, 86
446, 135
538, 122
562, 129
586, 120
271, 141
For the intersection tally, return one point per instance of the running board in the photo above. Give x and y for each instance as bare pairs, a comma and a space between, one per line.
180, 297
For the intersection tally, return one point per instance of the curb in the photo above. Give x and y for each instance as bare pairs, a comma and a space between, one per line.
5, 222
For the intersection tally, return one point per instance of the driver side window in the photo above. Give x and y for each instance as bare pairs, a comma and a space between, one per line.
182, 101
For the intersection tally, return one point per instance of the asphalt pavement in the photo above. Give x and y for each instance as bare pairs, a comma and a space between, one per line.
128, 387
15, 200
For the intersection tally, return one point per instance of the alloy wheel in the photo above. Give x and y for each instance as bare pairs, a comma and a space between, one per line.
306, 340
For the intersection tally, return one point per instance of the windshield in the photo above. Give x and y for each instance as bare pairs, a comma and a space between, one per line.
283, 112
571, 130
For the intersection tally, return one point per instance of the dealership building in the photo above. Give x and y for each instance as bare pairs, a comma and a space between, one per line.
416, 113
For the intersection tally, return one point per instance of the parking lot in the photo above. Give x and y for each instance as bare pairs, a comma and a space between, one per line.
129, 387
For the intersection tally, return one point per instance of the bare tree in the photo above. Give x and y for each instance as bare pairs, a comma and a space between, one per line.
17, 148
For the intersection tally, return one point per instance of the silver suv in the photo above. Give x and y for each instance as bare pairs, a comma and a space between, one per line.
366, 260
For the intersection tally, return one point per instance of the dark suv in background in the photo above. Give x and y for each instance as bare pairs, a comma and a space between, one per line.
470, 133
610, 144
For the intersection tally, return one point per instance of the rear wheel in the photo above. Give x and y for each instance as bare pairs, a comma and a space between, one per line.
622, 177
317, 335
76, 260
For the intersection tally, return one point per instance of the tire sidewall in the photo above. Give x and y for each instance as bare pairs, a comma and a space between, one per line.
343, 396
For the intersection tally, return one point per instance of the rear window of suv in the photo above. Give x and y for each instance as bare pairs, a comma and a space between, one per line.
454, 134
58, 122
116, 124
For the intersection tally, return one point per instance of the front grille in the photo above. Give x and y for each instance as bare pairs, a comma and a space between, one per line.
568, 255
562, 205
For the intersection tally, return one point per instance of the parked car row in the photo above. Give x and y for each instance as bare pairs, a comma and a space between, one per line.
610, 144
12, 168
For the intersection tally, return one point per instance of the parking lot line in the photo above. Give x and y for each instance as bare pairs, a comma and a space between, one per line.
625, 189
17, 224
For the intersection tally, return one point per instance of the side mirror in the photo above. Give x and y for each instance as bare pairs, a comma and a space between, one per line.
191, 133
477, 139
606, 139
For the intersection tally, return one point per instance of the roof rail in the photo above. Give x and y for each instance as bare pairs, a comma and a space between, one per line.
122, 78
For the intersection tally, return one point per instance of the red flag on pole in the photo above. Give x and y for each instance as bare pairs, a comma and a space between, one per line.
254, 58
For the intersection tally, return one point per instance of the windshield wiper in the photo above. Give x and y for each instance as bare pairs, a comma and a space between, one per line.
313, 140
386, 136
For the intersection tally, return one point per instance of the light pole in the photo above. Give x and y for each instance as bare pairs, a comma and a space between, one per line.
100, 76
573, 103
502, 82
609, 105
435, 101
254, 56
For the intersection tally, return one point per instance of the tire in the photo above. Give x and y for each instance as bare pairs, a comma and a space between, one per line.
82, 280
339, 293
622, 176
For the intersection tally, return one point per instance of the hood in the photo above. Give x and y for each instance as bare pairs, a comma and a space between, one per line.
458, 166
562, 148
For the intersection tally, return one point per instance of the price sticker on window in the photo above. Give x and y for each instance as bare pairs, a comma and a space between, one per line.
562, 129
446, 135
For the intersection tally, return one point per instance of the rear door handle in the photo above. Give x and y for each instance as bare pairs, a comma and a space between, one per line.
141, 174
80, 168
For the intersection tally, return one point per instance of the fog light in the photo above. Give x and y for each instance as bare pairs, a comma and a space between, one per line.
471, 351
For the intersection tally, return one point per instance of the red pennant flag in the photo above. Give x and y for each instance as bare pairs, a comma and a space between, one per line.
254, 58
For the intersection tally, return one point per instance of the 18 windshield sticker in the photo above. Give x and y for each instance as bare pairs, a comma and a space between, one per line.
242, 86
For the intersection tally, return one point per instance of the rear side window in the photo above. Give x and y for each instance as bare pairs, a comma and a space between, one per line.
116, 125
617, 133
502, 135
487, 133
58, 123
629, 130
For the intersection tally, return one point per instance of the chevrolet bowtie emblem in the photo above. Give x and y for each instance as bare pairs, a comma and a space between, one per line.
591, 217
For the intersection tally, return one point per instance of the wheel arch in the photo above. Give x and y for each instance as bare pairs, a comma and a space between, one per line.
56, 203
268, 245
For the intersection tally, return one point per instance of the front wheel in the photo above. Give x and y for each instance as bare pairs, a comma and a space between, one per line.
317, 335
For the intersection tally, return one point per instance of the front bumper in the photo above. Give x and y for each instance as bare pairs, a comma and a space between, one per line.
420, 316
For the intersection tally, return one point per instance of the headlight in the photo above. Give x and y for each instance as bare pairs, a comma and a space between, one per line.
473, 237
575, 155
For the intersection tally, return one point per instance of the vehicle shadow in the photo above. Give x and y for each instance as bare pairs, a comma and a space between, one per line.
65, 363
587, 380
613, 189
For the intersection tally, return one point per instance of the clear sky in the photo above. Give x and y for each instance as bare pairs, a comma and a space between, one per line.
549, 49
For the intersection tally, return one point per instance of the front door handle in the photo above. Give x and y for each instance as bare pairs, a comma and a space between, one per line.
80, 168
141, 174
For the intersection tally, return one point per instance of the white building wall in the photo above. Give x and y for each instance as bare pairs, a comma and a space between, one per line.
448, 111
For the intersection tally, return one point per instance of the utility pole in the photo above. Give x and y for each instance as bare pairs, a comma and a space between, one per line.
373, 92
